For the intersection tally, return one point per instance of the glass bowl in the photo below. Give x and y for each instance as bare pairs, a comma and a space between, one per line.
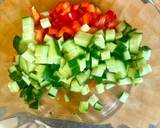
143, 17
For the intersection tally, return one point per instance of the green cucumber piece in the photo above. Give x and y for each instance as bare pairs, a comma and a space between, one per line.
45, 23
83, 77
85, 28
83, 39
125, 81
110, 35
122, 26
99, 70
28, 56
100, 88
13, 87
75, 87
41, 54
93, 99
19, 45
105, 55
98, 106
126, 55
52, 92
110, 46
145, 69
135, 42
99, 41
85, 89
28, 29
110, 77
145, 52
124, 96
83, 107
109, 85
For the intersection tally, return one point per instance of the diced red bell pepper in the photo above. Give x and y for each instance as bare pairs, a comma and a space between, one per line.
40, 35
63, 30
91, 8
75, 7
52, 31
110, 15
76, 26
35, 14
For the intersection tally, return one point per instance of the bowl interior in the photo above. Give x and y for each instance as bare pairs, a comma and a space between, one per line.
144, 17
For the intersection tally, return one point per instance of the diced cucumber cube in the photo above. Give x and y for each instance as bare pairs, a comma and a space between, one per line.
145, 53
60, 42
85, 89
99, 70
111, 46
119, 35
13, 87
135, 42
145, 69
122, 26
126, 55
82, 39
52, 92
110, 77
23, 64
35, 77
41, 54
123, 98
82, 64
28, 56
111, 65
26, 80
65, 71
110, 35
98, 106
85, 28
100, 88
109, 85
99, 41
101, 32
66, 98
125, 81
75, 87
105, 55
84, 106
94, 62
138, 80
93, 99
45, 13
45, 23
83, 77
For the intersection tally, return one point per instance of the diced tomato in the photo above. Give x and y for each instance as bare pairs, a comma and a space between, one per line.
73, 15
75, 6
87, 18
76, 26
91, 8
100, 22
98, 11
93, 29
110, 15
63, 30
35, 14
63, 8
113, 24
68, 18
85, 4
52, 31
40, 35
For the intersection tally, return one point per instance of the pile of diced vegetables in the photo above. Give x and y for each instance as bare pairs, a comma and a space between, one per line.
72, 44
